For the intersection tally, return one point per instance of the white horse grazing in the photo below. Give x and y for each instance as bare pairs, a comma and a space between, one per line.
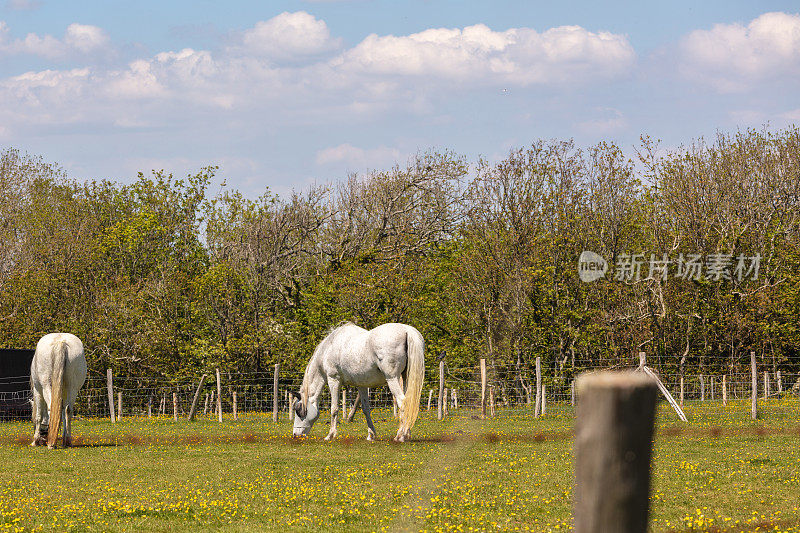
390, 354
58, 371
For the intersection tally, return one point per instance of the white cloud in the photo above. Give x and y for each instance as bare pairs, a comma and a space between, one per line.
85, 38
732, 56
354, 157
519, 56
380, 75
23, 5
79, 39
290, 36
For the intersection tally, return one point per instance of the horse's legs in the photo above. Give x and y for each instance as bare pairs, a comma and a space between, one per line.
68, 413
333, 385
39, 410
356, 403
396, 386
371, 433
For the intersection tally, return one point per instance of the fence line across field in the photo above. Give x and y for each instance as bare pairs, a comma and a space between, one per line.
483, 387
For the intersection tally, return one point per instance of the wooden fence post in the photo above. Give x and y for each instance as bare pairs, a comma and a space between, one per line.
702, 388
193, 408
430, 398
754, 386
483, 387
175, 406
766, 385
110, 383
613, 448
491, 401
711, 385
544, 399
444, 402
149, 407
681, 390
205, 404
275, 393
119, 405
780, 383
455, 398
724, 390
219, 397
440, 410
344, 403
235, 407
537, 409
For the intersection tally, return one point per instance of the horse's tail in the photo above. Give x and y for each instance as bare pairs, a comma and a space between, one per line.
56, 391
415, 375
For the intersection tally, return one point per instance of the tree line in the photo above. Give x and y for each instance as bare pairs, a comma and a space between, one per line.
160, 277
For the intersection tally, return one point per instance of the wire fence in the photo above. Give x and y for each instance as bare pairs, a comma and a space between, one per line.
509, 386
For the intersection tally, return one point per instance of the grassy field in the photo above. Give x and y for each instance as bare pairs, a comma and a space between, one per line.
719, 472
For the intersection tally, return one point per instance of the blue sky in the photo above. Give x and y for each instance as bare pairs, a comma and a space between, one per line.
285, 94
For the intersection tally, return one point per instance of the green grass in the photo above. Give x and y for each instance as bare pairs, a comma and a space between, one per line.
719, 472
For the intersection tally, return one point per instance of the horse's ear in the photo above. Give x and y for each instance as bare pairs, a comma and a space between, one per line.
297, 395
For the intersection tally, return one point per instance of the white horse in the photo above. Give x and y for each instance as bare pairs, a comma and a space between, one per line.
58, 371
390, 354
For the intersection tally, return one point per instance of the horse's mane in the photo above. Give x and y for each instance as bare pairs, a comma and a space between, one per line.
307, 374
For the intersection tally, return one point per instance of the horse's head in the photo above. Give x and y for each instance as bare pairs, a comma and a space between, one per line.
304, 417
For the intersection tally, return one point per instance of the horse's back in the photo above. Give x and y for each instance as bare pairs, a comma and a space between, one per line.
75, 362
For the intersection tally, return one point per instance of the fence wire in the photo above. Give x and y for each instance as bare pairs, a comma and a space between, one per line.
506, 387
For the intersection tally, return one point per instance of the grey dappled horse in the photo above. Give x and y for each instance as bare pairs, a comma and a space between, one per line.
392, 354
58, 371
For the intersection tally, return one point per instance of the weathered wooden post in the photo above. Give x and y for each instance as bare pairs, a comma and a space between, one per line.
537, 408
219, 397
572, 393
613, 448
110, 383
444, 403
780, 383
711, 385
483, 387
455, 398
175, 406
119, 405
205, 404
681, 390
440, 410
724, 390
754, 386
544, 399
193, 408
766, 385
430, 398
491, 401
702, 388
149, 407
235, 407
275, 393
